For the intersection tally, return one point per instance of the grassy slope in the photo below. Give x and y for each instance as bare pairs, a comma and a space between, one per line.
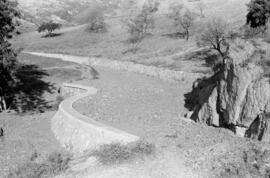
156, 49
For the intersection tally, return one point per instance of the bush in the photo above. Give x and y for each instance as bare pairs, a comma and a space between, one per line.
97, 26
117, 153
258, 13
55, 164
94, 17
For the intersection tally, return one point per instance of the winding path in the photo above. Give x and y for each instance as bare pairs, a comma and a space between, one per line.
150, 108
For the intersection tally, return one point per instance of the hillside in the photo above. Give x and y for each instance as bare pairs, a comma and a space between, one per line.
195, 109
157, 49
64, 11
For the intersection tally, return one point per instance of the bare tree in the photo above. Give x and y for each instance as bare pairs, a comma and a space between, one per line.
201, 6
214, 36
183, 20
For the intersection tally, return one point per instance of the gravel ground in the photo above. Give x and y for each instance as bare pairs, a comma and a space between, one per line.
134, 102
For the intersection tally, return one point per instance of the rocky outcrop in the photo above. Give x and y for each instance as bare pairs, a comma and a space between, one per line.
238, 96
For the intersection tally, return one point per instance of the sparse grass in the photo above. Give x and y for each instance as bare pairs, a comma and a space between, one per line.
117, 153
254, 162
53, 165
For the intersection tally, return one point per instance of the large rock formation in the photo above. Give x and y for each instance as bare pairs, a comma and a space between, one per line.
238, 96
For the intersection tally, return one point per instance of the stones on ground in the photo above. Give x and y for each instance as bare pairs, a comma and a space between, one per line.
237, 96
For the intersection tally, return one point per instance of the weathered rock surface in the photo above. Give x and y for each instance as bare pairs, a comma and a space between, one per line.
236, 96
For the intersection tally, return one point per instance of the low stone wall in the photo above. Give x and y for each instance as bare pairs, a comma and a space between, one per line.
161, 73
78, 133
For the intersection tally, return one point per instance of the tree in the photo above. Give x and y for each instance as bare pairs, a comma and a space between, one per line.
138, 25
214, 36
49, 27
20, 84
8, 62
146, 16
201, 6
186, 21
182, 20
258, 13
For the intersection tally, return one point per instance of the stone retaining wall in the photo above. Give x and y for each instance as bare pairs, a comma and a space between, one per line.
78, 133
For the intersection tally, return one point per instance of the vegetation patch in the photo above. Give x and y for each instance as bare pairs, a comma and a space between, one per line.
253, 163
55, 164
117, 153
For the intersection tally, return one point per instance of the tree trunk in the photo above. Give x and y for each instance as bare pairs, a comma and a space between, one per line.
187, 35
3, 105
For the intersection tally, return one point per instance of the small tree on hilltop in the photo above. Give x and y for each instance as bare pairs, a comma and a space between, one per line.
214, 36
49, 27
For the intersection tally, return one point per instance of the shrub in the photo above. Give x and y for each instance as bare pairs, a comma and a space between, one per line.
117, 153
250, 32
55, 164
113, 153
96, 20
143, 147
